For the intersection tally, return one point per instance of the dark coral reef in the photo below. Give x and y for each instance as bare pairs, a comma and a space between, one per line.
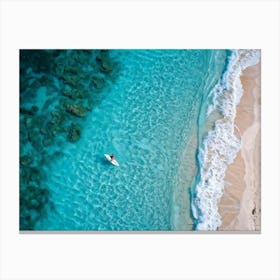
58, 89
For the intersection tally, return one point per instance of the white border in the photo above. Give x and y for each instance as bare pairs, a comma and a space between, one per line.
155, 24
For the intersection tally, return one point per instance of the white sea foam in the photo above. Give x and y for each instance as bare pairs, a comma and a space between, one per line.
220, 145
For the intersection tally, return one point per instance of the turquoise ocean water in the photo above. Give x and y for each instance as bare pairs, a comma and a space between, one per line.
153, 115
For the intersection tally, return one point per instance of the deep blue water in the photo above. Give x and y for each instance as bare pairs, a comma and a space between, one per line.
152, 116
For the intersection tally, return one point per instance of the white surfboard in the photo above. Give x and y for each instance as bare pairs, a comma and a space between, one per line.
114, 162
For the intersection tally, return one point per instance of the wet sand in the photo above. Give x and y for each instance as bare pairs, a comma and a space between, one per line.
240, 206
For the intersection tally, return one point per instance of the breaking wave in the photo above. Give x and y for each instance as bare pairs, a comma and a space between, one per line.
220, 146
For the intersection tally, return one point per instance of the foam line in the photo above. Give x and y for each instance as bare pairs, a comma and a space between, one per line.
220, 146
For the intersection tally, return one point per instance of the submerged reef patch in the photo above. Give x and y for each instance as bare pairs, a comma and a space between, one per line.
58, 89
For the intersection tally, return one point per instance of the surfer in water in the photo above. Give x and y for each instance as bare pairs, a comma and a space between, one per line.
111, 158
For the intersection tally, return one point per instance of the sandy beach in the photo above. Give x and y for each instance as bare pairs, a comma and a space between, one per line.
240, 206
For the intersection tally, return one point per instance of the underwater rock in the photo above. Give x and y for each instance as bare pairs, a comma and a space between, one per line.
104, 62
25, 160
59, 69
28, 122
106, 67
23, 136
38, 121
69, 94
55, 131
35, 174
48, 142
46, 80
26, 111
81, 56
27, 96
43, 131
74, 94
34, 109
74, 133
72, 69
38, 146
70, 79
33, 135
24, 174
23, 130
23, 81
35, 85
98, 82
31, 112
39, 60
54, 127
77, 110
57, 118
35, 139
33, 203
30, 175
22, 121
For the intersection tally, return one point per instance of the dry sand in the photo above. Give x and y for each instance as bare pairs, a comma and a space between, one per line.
240, 206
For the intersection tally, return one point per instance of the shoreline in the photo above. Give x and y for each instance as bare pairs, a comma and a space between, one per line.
240, 205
